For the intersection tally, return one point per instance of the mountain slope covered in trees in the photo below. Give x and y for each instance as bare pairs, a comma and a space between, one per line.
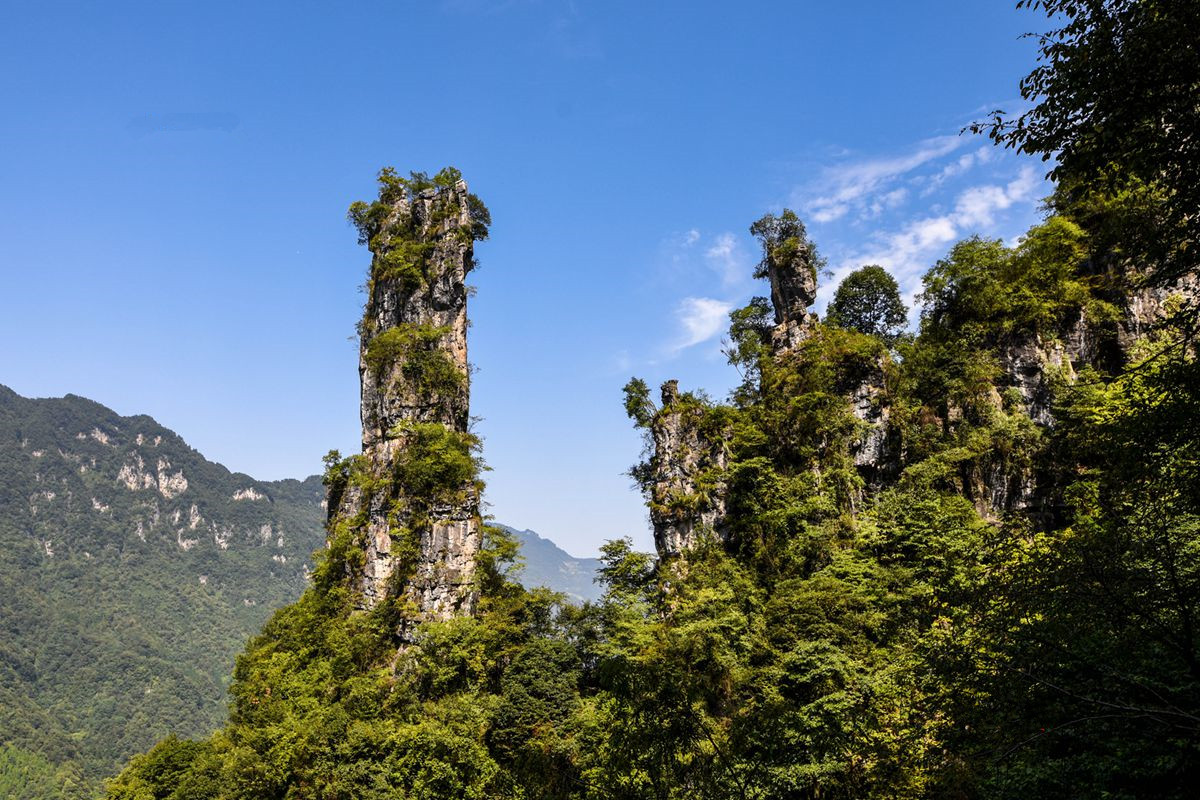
131, 571
543, 563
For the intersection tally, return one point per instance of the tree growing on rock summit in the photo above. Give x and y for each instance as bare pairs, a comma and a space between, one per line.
868, 301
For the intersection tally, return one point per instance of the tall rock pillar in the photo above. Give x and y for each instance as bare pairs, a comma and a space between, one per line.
790, 264
687, 473
411, 500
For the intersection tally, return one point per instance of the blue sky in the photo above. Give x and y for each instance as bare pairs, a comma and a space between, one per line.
174, 179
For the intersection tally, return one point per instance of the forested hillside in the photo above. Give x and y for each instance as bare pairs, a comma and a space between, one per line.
131, 571
956, 562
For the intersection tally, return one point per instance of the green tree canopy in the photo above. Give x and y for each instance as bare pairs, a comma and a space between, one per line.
868, 301
1116, 101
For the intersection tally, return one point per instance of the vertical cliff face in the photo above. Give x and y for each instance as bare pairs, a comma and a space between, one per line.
687, 493
790, 264
413, 344
869, 403
411, 500
793, 289
1037, 365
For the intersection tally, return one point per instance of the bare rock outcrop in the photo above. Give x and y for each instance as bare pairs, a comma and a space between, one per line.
1147, 307
1031, 366
869, 404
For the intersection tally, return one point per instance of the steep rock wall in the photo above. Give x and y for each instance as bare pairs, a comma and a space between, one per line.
413, 502
687, 493
790, 264
687, 478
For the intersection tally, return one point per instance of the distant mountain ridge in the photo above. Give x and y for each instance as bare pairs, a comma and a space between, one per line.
132, 570
547, 564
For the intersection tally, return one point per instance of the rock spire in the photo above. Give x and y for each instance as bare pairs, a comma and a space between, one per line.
790, 263
410, 502
687, 471
688, 465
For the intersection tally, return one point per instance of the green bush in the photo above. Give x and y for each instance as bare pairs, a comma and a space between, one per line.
427, 368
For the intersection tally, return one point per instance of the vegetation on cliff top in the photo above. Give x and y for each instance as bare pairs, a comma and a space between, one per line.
401, 246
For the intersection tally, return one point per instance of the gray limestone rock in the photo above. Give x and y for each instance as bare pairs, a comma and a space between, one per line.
414, 371
790, 264
793, 279
687, 494
1032, 364
1146, 308
868, 403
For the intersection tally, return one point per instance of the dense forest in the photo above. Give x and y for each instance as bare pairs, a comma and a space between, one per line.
957, 562
132, 571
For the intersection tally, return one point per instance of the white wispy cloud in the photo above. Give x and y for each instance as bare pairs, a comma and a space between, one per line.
694, 259
727, 258
958, 166
977, 206
910, 249
699, 319
679, 248
886, 201
713, 272
855, 185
